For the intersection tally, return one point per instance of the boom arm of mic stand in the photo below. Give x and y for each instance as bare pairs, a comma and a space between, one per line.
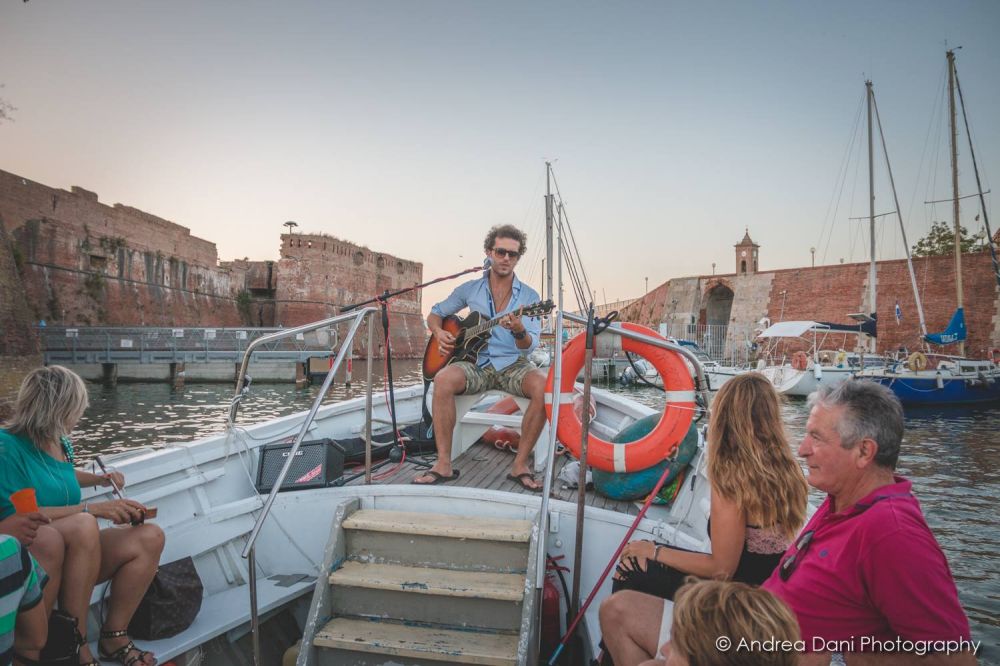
392, 294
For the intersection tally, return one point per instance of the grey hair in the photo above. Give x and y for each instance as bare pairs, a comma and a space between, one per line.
51, 401
871, 411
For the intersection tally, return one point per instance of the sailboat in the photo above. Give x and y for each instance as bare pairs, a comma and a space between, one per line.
933, 378
799, 372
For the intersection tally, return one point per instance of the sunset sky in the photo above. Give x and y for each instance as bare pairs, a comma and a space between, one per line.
411, 127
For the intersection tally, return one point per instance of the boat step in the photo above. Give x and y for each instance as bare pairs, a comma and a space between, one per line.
408, 642
423, 580
440, 525
447, 597
438, 540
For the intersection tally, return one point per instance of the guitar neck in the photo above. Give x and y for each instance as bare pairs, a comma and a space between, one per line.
487, 325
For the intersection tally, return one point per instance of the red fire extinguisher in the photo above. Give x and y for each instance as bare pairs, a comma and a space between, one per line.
551, 617
552, 625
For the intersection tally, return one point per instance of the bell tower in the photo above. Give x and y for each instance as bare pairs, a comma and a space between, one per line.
746, 255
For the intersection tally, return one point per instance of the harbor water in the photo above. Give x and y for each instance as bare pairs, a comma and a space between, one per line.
952, 456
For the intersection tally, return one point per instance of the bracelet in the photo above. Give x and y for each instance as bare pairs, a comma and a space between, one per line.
656, 552
86, 508
519, 336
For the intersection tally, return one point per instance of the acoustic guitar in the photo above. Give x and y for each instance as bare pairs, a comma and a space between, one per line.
471, 334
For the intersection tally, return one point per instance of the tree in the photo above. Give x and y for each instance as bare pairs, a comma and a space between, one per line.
6, 109
940, 240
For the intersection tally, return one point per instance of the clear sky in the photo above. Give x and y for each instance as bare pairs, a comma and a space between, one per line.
413, 126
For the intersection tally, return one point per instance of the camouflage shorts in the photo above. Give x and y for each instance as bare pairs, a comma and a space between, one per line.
509, 379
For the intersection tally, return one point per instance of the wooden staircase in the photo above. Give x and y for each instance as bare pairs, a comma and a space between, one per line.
409, 588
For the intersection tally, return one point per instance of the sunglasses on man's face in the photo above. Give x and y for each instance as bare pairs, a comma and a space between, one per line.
501, 252
791, 562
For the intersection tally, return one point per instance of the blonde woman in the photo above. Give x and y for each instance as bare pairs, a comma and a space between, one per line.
759, 497
36, 452
760, 628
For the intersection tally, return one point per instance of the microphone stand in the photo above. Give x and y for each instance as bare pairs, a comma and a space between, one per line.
383, 301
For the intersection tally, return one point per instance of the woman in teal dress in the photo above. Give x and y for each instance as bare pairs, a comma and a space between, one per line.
36, 452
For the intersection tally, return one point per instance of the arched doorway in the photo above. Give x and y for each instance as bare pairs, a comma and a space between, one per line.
718, 305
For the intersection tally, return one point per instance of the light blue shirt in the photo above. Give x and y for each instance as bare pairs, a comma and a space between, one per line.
501, 351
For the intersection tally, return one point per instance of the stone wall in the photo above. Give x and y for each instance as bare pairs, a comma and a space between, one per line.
319, 274
18, 342
830, 293
86, 263
17, 336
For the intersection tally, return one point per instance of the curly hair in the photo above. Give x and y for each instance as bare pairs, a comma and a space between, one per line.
706, 610
750, 461
506, 231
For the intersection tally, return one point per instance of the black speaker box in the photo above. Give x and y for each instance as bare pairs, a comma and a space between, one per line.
317, 464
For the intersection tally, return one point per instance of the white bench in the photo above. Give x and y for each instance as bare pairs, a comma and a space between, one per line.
471, 424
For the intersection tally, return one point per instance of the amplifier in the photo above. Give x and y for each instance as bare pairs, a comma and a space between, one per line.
317, 464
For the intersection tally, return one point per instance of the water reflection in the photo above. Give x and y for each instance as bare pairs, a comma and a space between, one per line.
131, 416
952, 457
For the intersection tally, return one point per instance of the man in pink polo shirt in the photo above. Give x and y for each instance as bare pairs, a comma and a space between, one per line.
866, 577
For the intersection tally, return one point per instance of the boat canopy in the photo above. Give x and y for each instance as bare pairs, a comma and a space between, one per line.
868, 326
796, 329
954, 333
792, 329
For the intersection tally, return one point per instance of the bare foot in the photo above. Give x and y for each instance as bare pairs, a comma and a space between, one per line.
525, 478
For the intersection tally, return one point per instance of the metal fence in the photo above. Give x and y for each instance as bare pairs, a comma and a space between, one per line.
729, 345
157, 345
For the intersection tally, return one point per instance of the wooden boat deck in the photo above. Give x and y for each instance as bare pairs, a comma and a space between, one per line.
485, 466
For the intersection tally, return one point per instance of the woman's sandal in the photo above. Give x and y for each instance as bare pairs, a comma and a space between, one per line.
81, 640
121, 653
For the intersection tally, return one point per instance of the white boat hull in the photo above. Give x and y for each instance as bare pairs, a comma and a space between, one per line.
207, 502
789, 381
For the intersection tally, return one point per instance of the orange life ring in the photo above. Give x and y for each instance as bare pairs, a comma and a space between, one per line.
800, 360
652, 448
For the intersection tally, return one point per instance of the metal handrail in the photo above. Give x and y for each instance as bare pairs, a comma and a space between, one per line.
288, 332
248, 550
617, 329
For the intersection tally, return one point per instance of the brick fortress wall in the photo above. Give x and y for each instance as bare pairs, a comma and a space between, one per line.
829, 293
320, 273
18, 342
80, 262
87, 263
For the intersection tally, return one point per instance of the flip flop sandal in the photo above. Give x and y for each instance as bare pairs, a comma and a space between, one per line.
522, 480
438, 478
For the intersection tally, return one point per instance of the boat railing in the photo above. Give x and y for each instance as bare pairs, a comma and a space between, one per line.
615, 331
356, 317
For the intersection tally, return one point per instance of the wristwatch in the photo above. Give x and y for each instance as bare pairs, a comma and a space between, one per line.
519, 336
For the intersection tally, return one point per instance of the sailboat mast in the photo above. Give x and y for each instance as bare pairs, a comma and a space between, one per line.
954, 187
872, 277
902, 227
548, 230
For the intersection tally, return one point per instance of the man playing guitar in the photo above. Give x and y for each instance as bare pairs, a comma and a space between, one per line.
502, 364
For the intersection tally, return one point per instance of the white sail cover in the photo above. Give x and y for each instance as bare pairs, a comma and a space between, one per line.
792, 329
